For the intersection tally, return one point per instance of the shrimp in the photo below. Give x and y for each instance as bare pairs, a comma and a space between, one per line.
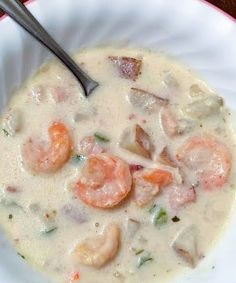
59, 94
208, 158
105, 181
180, 196
147, 184
99, 250
48, 160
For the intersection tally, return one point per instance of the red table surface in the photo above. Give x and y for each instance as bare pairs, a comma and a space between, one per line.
229, 6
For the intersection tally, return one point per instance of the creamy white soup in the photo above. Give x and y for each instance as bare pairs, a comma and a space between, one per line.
132, 184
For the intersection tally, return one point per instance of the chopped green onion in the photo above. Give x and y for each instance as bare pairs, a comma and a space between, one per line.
10, 216
49, 231
101, 137
21, 255
77, 158
175, 219
144, 259
160, 217
138, 252
5, 132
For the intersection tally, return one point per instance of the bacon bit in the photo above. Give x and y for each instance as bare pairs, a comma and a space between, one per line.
132, 116
135, 167
11, 189
59, 94
129, 68
75, 277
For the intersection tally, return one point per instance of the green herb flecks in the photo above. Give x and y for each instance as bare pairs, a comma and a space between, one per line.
10, 216
144, 259
49, 231
78, 158
101, 138
159, 215
138, 252
21, 255
6, 133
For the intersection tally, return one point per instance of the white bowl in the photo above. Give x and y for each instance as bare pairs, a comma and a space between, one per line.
190, 30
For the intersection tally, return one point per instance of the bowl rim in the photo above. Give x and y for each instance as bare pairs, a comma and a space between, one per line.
204, 2
228, 22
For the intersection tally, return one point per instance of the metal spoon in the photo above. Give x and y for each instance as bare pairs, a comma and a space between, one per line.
18, 12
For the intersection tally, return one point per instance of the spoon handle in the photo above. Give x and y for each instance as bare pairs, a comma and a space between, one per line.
18, 12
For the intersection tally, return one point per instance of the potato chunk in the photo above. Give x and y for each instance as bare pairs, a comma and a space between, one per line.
166, 159
185, 245
12, 122
137, 141
204, 107
128, 68
146, 101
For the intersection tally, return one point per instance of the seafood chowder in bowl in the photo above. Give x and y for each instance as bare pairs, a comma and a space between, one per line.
135, 183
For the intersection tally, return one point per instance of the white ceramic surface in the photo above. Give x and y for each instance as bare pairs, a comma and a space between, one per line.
190, 30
